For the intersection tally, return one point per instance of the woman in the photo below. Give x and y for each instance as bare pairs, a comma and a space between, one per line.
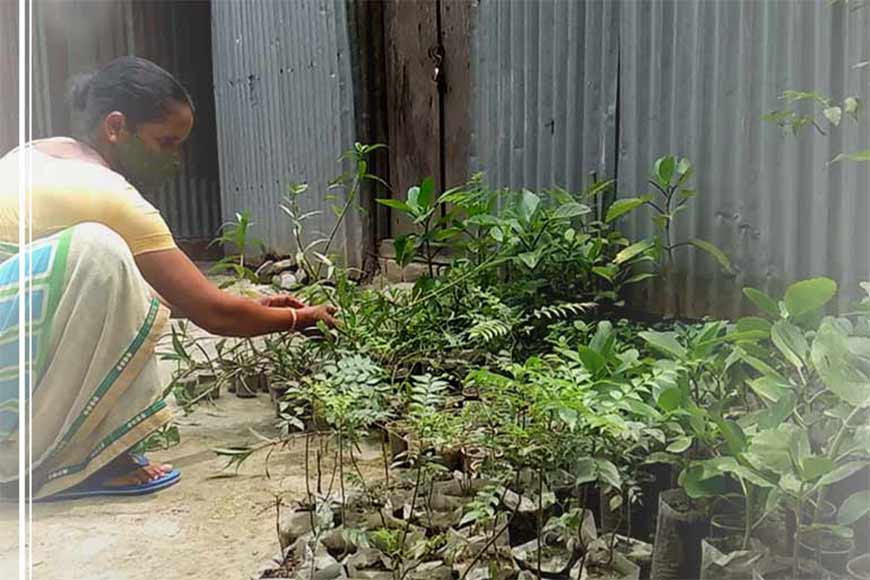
98, 250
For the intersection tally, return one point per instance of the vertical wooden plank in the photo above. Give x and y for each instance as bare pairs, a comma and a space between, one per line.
368, 63
411, 32
456, 18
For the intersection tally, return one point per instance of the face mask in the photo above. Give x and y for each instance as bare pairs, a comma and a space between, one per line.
144, 167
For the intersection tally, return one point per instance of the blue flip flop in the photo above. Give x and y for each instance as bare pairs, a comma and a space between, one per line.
97, 487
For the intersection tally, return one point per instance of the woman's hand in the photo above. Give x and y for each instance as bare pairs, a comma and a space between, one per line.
281, 301
309, 316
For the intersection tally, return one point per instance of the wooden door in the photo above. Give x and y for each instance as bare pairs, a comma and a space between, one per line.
428, 94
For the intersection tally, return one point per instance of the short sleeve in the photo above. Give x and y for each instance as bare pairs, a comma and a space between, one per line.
74, 192
138, 222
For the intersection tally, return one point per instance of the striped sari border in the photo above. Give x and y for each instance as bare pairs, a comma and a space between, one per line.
113, 375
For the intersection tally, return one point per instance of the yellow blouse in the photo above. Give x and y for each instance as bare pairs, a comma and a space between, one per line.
67, 192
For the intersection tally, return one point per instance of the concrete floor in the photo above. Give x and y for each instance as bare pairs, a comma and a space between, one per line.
212, 525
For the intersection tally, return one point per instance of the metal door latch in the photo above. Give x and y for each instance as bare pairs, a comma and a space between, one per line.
436, 55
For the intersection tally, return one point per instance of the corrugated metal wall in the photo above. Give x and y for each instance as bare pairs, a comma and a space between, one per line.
545, 80
9, 74
284, 95
74, 36
695, 79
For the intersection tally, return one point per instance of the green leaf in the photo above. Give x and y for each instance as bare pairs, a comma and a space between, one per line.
834, 364
427, 193
670, 399
395, 204
697, 486
633, 250
530, 259
768, 388
754, 324
608, 473
623, 206
665, 342
660, 457
585, 470
640, 277
808, 296
862, 156
592, 360
664, 170
414, 199
791, 342
814, 467
764, 302
606, 272
834, 115
529, 203
679, 445
770, 449
571, 210
854, 508
683, 167
735, 439
714, 251
778, 413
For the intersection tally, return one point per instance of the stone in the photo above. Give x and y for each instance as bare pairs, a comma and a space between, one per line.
325, 566
409, 273
294, 525
483, 571
554, 559
620, 568
271, 268
335, 542
264, 272
285, 281
362, 559
435, 570
370, 575
442, 502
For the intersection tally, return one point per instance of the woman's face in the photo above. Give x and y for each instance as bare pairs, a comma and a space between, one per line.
169, 133
152, 154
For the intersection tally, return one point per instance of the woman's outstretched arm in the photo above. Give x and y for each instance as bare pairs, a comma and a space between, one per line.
180, 283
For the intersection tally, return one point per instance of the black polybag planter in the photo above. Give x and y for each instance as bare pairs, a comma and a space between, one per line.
680, 527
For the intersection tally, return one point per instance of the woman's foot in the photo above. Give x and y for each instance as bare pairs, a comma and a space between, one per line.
132, 472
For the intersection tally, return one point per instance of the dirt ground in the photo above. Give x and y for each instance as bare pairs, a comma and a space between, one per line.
212, 525
207, 526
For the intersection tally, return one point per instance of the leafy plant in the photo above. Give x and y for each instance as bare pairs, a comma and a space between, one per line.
235, 238
669, 180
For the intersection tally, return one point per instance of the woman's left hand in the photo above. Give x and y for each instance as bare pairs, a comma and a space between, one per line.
281, 301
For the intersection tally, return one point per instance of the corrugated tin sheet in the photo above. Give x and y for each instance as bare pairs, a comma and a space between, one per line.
74, 36
176, 35
9, 74
544, 95
696, 79
284, 95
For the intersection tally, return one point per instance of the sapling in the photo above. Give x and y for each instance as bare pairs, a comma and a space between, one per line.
669, 180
